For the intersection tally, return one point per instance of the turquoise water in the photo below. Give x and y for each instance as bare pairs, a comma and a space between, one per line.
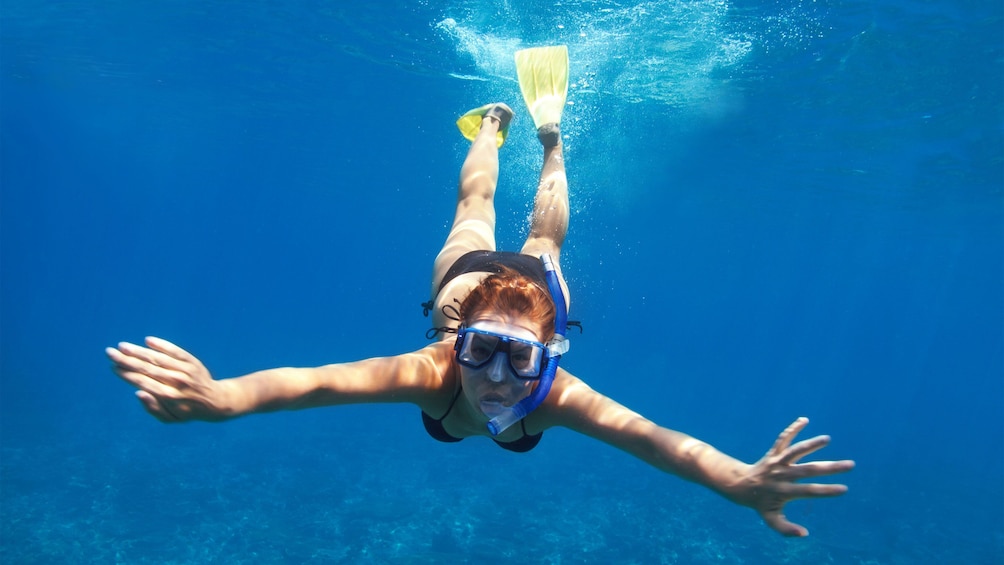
778, 209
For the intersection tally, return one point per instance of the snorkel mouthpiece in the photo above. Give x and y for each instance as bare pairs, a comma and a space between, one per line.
555, 348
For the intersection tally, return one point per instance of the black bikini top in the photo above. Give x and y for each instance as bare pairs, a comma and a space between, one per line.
435, 429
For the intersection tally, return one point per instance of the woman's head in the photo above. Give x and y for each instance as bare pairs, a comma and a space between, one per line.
511, 295
504, 304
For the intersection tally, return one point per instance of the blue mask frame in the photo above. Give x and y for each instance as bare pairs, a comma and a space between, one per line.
503, 344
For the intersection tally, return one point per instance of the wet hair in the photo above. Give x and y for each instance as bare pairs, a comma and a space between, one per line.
508, 292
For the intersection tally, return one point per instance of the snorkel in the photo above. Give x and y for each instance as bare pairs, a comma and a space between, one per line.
555, 348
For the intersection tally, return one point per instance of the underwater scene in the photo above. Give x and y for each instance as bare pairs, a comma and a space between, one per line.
777, 209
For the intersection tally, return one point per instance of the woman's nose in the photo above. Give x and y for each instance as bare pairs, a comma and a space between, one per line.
497, 369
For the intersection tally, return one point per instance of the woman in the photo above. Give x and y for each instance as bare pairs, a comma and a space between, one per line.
509, 321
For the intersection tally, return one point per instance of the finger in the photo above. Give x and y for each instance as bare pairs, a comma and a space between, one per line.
144, 376
128, 368
803, 448
155, 408
148, 384
141, 374
122, 358
777, 521
172, 350
789, 433
820, 468
114, 354
815, 490
152, 357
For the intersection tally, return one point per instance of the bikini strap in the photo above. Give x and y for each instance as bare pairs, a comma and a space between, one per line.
460, 389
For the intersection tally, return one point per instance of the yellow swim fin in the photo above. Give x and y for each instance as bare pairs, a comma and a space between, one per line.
470, 123
543, 79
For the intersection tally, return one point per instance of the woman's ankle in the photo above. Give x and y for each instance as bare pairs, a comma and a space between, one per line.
549, 135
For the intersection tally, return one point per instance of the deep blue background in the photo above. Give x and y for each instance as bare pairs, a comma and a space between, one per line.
779, 209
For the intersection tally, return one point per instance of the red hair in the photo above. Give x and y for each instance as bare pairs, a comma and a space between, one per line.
509, 292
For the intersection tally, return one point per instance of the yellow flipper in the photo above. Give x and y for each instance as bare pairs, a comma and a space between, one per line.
543, 79
470, 124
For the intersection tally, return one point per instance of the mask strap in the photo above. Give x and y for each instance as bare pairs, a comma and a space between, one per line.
450, 311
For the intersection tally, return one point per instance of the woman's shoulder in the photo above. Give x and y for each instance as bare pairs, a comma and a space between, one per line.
442, 348
566, 391
435, 361
573, 404
437, 365
566, 384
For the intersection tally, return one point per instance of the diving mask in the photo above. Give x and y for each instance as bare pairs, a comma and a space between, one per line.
477, 347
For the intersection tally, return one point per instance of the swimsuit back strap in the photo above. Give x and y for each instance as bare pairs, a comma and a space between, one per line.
460, 389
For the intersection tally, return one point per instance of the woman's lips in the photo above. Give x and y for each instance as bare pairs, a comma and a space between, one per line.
492, 404
492, 397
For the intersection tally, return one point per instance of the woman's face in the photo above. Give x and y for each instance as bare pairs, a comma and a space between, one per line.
493, 388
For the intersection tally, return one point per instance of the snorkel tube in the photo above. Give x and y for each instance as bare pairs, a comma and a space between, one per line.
555, 348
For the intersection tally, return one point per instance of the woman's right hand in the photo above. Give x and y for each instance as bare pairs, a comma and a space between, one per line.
173, 384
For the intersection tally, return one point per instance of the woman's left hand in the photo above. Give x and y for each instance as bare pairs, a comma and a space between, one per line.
769, 484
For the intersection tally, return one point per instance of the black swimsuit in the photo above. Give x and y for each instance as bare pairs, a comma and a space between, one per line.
437, 431
488, 262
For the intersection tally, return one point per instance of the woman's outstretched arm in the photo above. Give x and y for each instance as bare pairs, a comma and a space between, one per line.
174, 386
765, 486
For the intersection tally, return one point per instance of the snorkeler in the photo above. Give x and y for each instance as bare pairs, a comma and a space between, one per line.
500, 319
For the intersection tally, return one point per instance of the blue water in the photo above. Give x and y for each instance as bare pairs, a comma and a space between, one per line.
778, 209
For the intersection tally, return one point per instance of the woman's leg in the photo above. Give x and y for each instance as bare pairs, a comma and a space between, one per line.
474, 222
549, 222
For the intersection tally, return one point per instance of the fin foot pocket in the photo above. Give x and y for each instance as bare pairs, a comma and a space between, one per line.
470, 123
549, 135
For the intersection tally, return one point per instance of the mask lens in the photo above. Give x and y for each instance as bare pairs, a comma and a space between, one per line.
525, 359
477, 347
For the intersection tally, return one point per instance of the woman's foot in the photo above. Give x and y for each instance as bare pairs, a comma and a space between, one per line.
501, 112
549, 135
471, 122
